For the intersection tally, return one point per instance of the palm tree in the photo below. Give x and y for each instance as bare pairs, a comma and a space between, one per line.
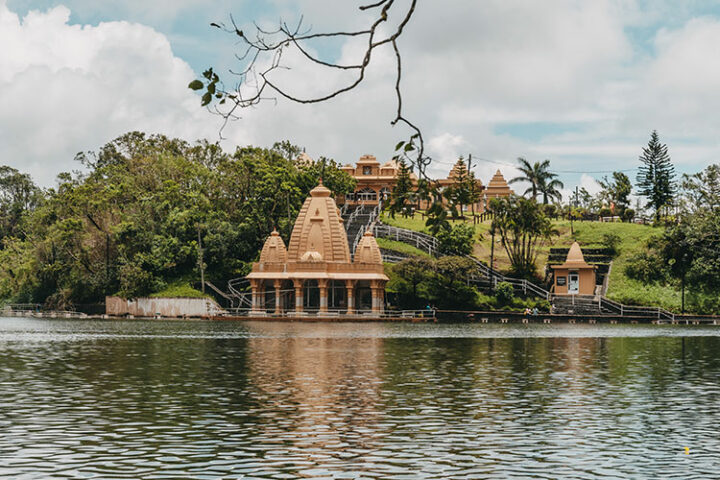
549, 187
529, 175
541, 180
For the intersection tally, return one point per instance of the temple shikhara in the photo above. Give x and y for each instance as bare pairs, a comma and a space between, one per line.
316, 272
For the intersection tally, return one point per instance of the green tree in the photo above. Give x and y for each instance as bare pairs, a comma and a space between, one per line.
540, 178
458, 240
616, 191
18, 196
130, 223
701, 191
401, 197
522, 227
411, 281
437, 218
656, 177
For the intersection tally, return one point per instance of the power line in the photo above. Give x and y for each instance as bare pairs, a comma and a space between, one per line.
477, 157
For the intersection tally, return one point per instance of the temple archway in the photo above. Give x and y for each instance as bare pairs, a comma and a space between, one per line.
337, 295
363, 295
311, 296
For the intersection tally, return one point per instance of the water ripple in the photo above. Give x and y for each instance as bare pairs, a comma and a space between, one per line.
223, 400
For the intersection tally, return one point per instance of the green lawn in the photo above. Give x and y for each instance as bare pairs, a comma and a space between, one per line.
588, 234
401, 247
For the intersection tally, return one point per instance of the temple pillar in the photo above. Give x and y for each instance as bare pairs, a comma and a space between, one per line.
254, 285
378, 301
278, 287
350, 288
298, 284
323, 288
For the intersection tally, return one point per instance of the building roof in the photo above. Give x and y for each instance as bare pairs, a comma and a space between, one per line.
367, 250
498, 185
368, 159
575, 259
318, 229
274, 249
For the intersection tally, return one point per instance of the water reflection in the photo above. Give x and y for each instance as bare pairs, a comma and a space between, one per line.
274, 400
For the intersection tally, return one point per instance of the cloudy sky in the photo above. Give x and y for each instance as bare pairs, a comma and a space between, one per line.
582, 83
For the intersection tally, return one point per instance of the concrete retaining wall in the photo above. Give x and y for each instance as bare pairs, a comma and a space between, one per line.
165, 307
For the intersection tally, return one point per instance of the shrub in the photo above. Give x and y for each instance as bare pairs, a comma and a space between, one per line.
504, 293
627, 215
605, 212
646, 267
458, 240
611, 241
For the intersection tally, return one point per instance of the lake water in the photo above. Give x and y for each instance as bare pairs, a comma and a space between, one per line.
212, 400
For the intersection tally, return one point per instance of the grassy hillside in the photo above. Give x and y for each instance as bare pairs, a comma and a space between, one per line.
588, 234
401, 247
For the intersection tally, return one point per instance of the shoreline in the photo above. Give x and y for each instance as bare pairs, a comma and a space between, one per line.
441, 316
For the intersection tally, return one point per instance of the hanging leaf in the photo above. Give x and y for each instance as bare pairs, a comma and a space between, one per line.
196, 85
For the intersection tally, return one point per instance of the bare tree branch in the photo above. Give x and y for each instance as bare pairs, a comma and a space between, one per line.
263, 54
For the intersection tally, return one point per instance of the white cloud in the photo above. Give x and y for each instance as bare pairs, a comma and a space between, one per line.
68, 88
468, 68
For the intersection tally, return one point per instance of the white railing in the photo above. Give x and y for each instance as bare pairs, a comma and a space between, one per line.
420, 240
370, 221
310, 313
637, 311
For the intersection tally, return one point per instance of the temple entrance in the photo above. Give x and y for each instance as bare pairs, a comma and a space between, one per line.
573, 283
363, 295
311, 296
337, 295
366, 195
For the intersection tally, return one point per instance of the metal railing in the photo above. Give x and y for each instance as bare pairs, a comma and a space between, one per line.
372, 218
636, 311
310, 313
420, 240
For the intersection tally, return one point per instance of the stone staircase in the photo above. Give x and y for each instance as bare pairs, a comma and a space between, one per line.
355, 218
576, 304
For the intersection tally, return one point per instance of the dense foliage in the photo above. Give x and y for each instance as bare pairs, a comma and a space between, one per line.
133, 222
442, 283
688, 252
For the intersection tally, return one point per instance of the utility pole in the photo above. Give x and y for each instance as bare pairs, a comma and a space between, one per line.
492, 248
201, 265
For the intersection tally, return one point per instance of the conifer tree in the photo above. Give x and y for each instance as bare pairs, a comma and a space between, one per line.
656, 178
400, 200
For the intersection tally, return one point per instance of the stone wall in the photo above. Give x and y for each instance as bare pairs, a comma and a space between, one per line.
165, 307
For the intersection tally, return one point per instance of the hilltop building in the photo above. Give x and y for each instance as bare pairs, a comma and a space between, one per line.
375, 182
497, 188
316, 273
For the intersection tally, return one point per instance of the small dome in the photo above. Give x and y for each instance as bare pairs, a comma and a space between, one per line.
367, 250
320, 191
274, 249
311, 257
575, 254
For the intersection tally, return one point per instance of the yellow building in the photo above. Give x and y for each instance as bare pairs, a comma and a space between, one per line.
316, 273
376, 182
575, 276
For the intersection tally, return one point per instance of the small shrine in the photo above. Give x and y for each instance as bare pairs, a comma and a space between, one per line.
316, 272
574, 276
